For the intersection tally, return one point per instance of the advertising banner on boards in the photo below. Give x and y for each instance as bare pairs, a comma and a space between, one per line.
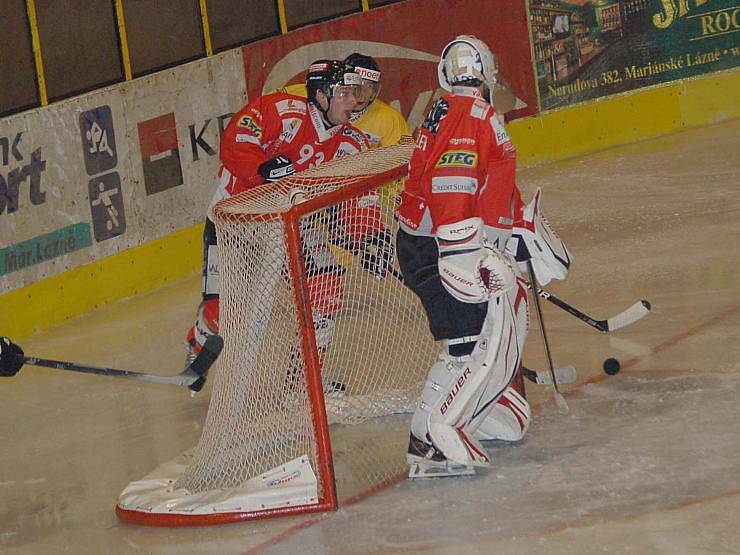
586, 49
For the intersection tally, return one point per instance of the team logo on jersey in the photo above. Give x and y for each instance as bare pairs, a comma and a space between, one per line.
290, 129
291, 106
458, 159
248, 123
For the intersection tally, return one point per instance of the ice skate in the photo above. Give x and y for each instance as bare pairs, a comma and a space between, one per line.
426, 461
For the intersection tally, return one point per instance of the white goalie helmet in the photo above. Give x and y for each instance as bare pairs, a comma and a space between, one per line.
466, 58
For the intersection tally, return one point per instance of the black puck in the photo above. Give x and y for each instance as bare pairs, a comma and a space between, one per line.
611, 366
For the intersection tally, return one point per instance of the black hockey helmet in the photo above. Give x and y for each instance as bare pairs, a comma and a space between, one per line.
369, 70
365, 66
326, 75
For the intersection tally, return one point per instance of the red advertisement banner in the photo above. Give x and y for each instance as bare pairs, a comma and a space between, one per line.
406, 40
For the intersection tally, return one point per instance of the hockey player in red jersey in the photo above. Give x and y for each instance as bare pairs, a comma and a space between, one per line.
456, 217
272, 137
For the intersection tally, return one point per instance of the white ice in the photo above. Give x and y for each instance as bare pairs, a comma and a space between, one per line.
647, 461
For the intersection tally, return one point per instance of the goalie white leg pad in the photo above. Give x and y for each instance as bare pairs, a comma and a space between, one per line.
447, 401
508, 420
512, 311
460, 392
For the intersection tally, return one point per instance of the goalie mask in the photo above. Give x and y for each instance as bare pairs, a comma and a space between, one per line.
467, 61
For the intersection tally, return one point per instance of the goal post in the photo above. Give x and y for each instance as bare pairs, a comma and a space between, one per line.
323, 348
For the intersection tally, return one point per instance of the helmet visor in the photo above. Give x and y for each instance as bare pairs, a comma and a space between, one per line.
368, 91
346, 91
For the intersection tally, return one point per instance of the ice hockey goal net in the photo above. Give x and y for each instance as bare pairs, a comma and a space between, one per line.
316, 332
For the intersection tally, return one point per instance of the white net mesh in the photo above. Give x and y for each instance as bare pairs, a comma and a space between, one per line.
370, 332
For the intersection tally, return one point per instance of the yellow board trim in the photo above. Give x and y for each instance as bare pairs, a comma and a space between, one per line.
37, 57
365, 6
551, 136
123, 37
52, 301
626, 118
206, 27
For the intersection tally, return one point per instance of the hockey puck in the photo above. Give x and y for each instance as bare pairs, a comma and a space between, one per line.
611, 366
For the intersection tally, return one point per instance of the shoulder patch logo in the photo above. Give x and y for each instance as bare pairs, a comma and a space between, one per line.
247, 122
458, 159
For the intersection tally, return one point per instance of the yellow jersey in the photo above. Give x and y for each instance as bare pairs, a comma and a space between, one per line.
382, 124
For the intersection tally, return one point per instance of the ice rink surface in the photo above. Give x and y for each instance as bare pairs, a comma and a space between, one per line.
647, 461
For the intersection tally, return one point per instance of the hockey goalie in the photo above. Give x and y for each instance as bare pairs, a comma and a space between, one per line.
459, 209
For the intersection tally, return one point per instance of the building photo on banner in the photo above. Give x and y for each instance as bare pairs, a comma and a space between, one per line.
416, 276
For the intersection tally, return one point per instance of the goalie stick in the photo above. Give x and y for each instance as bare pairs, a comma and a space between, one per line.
559, 399
194, 375
634, 313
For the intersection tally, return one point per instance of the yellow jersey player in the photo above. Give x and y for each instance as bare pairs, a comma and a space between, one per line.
382, 124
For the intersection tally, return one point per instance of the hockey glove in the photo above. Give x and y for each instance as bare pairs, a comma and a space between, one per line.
11, 357
275, 169
377, 253
533, 238
470, 269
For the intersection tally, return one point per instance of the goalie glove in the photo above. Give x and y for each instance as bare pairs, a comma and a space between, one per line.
533, 238
471, 270
11, 357
276, 168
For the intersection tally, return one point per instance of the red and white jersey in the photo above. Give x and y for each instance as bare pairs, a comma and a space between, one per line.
279, 124
463, 166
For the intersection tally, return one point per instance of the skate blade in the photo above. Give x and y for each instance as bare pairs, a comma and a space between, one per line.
419, 470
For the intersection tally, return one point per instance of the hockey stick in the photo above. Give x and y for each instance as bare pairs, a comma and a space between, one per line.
559, 399
563, 374
634, 313
194, 375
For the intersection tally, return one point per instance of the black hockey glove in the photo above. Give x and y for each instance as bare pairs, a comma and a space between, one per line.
11, 357
377, 253
275, 169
